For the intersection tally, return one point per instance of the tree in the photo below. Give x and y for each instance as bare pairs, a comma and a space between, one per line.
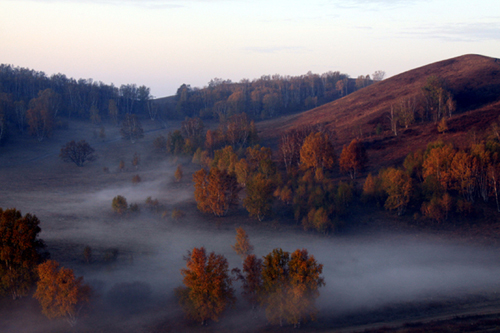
136, 160
317, 152
77, 152
41, 113
59, 292
215, 191
242, 247
113, 111
290, 286
398, 186
353, 158
437, 163
251, 279
305, 280
275, 285
207, 292
178, 173
378, 76
259, 199
119, 204
20, 251
131, 128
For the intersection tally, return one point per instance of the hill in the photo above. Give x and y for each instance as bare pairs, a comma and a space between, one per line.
474, 81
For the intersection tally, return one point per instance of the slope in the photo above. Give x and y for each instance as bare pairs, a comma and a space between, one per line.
474, 81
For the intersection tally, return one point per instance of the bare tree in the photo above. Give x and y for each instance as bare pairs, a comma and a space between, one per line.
77, 152
378, 76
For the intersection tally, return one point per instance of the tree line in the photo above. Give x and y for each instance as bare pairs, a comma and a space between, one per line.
30, 100
266, 97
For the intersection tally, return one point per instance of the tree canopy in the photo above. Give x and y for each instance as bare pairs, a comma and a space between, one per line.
20, 251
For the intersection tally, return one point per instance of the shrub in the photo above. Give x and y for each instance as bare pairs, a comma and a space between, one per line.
136, 179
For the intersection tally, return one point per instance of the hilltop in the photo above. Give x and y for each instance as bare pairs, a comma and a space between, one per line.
474, 81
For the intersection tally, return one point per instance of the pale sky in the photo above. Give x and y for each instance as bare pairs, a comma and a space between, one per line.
165, 43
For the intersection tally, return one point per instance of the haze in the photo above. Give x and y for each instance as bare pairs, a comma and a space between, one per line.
165, 43
363, 272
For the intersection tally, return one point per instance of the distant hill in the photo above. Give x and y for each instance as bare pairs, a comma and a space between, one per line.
474, 81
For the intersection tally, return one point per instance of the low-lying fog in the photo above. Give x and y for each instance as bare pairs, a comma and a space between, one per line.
361, 272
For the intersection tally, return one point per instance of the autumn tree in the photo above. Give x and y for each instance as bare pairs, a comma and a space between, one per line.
290, 286
398, 186
317, 152
259, 199
119, 204
131, 128
275, 286
59, 292
353, 158
77, 152
215, 191
305, 280
242, 246
251, 279
136, 160
41, 113
437, 163
178, 173
207, 290
175, 143
20, 251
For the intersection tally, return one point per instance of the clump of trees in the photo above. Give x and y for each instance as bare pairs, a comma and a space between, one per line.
77, 152
285, 285
21, 251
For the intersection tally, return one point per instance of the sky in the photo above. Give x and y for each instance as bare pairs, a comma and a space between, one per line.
165, 43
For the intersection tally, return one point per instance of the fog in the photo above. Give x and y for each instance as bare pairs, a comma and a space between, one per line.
133, 287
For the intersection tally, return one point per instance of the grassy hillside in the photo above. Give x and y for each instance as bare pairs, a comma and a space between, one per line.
474, 81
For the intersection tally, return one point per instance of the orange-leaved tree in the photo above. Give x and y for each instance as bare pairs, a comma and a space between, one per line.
290, 286
305, 280
207, 292
19, 251
398, 186
59, 292
251, 279
317, 152
215, 191
259, 199
353, 158
242, 246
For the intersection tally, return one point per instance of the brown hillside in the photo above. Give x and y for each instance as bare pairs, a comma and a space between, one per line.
473, 79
